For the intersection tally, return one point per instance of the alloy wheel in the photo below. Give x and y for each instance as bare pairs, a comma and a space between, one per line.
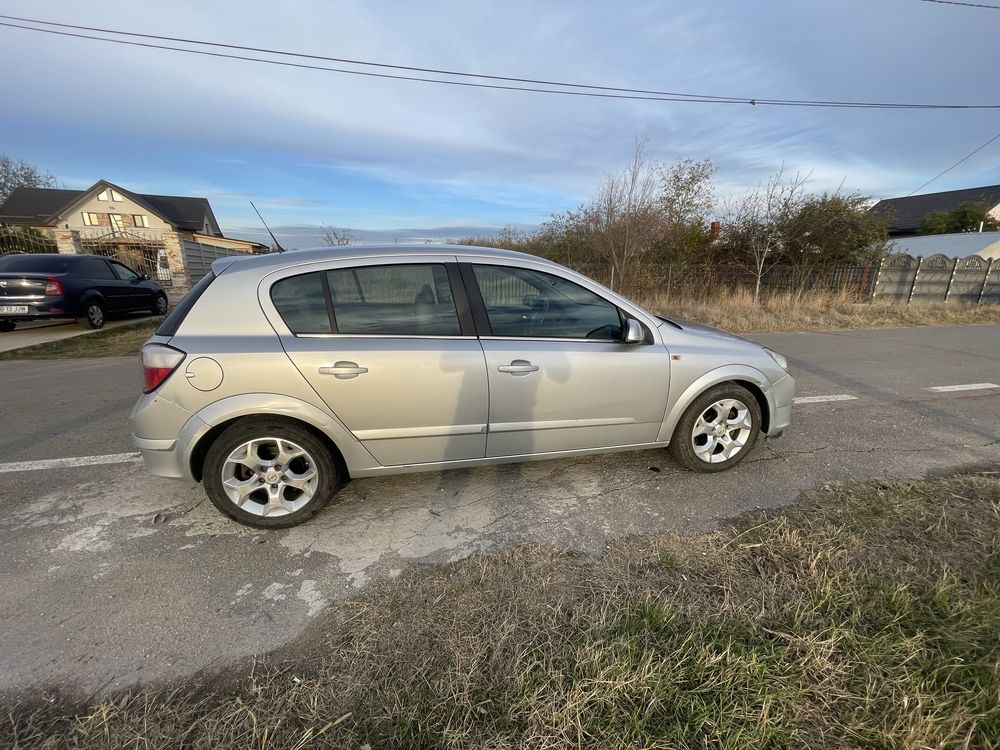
269, 477
721, 431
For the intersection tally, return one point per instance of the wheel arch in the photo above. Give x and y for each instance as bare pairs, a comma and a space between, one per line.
748, 377
199, 432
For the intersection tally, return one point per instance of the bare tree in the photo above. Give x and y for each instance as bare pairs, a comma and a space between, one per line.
335, 237
757, 222
623, 221
15, 174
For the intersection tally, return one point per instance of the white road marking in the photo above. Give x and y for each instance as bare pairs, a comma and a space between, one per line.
821, 399
67, 463
966, 387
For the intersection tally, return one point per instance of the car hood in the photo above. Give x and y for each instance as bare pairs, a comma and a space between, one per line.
698, 328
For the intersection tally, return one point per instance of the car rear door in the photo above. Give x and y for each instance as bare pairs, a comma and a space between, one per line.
95, 273
560, 376
390, 346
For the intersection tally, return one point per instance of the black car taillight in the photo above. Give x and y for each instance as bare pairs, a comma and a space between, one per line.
52, 287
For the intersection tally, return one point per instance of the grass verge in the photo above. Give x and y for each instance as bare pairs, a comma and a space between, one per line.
121, 341
734, 310
866, 616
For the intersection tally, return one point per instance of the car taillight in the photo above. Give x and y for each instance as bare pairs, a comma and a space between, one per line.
158, 361
52, 287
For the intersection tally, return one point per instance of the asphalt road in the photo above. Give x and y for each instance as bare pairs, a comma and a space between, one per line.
114, 578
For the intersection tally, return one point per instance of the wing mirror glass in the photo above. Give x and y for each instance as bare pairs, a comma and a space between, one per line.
633, 332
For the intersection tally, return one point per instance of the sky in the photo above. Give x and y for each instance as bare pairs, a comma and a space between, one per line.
412, 160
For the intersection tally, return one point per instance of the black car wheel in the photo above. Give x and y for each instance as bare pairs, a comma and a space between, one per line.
94, 315
6, 326
160, 305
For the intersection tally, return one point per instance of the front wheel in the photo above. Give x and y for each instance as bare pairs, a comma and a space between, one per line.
718, 429
269, 474
93, 316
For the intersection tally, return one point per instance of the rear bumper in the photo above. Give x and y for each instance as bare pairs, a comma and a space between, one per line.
160, 460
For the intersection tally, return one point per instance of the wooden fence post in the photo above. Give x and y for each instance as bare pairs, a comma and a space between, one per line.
916, 275
986, 278
951, 279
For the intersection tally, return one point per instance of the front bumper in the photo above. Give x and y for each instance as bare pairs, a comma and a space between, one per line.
782, 393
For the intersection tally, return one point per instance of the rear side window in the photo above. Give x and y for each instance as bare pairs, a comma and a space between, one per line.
36, 263
95, 268
176, 316
301, 302
386, 300
413, 300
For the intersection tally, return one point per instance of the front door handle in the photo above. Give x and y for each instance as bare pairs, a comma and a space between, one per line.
343, 370
518, 367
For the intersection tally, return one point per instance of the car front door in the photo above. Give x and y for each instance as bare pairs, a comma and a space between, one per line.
561, 378
139, 296
391, 348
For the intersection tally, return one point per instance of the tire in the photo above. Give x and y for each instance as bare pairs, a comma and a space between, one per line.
699, 440
269, 500
6, 326
159, 307
94, 315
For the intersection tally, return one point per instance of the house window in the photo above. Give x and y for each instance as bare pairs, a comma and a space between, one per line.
140, 220
117, 222
90, 219
109, 195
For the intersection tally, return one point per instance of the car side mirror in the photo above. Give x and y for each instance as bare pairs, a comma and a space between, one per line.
633, 332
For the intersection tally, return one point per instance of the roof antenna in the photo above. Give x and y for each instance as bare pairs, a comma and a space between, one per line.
276, 243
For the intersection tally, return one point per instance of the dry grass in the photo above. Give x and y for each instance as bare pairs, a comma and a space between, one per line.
121, 341
867, 616
734, 310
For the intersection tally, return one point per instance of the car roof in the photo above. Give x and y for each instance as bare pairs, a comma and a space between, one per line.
270, 261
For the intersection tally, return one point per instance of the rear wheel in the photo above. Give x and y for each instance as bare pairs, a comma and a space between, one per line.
93, 315
718, 429
159, 307
6, 326
269, 473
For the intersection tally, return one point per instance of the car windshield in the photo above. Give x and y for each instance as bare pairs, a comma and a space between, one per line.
32, 263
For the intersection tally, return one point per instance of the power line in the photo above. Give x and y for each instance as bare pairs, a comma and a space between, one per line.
587, 90
968, 5
964, 158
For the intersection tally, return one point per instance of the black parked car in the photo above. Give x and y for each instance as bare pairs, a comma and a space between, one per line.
89, 288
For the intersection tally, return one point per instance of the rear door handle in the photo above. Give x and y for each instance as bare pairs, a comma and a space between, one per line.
518, 367
343, 370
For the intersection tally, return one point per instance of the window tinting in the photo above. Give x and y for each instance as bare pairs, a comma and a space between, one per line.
302, 304
405, 300
124, 273
95, 268
176, 316
525, 303
36, 263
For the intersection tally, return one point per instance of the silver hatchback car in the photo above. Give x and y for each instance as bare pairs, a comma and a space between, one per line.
278, 377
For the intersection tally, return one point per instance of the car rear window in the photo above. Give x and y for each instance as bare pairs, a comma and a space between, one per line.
36, 263
176, 316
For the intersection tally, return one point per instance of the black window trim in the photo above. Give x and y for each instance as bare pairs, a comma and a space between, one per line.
485, 328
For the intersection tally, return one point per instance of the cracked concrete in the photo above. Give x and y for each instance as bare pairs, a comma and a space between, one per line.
115, 578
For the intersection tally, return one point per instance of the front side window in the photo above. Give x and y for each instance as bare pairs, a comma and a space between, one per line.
124, 272
524, 303
410, 300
